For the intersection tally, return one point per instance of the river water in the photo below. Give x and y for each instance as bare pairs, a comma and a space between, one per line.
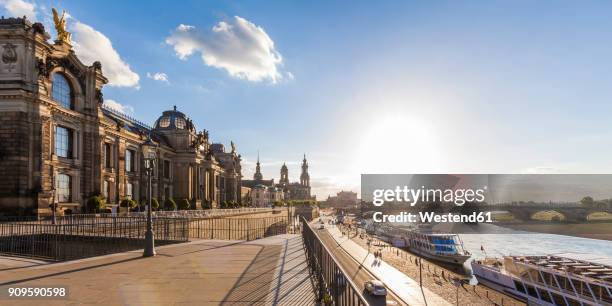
501, 241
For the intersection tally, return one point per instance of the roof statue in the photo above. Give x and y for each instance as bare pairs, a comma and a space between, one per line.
200, 139
60, 26
233, 146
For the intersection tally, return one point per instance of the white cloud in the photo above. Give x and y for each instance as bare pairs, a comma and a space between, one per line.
239, 46
19, 8
126, 109
91, 45
158, 76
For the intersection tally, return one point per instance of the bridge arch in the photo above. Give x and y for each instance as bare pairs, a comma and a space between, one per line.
599, 216
548, 215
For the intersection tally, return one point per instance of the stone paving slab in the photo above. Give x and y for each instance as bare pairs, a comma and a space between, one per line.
10, 263
269, 271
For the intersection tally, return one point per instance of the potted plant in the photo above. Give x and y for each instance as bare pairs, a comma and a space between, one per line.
184, 204
169, 204
95, 204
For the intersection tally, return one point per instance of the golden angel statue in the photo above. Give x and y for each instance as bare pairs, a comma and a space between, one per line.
60, 26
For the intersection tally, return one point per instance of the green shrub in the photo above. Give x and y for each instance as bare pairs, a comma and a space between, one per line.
206, 205
155, 204
144, 203
184, 204
169, 204
95, 203
127, 202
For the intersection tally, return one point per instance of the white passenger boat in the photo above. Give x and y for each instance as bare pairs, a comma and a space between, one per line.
548, 280
446, 248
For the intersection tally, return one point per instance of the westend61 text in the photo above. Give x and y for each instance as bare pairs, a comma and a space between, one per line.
479, 217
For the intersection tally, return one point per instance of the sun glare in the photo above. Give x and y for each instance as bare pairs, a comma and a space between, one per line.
397, 144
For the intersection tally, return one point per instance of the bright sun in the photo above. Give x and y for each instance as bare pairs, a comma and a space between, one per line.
397, 144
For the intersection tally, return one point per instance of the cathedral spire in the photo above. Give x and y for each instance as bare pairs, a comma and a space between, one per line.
284, 175
305, 177
258, 176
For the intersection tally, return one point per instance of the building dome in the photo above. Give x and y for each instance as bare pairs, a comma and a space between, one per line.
174, 120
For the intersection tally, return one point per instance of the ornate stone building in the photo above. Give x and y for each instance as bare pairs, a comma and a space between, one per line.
58, 143
291, 191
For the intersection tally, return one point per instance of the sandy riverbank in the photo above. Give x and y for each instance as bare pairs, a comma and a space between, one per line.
437, 278
594, 230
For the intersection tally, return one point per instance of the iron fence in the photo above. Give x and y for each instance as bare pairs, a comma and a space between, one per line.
209, 212
334, 284
192, 213
73, 237
85, 235
237, 228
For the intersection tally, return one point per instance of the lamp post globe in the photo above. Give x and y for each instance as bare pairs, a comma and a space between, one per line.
149, 152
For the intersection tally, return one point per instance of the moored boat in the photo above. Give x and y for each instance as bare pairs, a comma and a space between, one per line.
446, 248
548, 280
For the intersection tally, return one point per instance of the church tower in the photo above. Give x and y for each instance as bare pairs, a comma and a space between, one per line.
284, 175
305, 178
257, 176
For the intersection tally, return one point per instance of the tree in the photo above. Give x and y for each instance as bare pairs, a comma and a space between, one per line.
169, 204
95, 203
184, 204
587, 202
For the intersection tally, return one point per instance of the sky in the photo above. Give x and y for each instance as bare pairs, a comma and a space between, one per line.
362, 86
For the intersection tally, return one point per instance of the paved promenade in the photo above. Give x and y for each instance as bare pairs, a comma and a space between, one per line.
405, 287
269, 271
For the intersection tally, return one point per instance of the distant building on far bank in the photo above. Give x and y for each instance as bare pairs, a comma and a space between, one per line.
343, 199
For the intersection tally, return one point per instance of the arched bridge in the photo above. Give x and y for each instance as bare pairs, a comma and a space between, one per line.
571, 212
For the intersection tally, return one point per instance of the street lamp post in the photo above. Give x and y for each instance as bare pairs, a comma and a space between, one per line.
53, 201
149, 149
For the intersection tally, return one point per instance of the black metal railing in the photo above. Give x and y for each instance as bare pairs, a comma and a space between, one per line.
73, 237
334, 285
86, 235
237, 228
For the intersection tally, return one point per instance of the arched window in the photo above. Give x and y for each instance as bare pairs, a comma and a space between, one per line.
61, 91
179, 123
63, 188
164, 122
